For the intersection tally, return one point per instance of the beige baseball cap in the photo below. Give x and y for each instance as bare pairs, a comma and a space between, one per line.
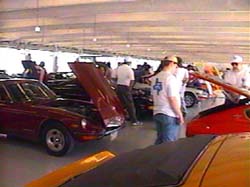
171, 58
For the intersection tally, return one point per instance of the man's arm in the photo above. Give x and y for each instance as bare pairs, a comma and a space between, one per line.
131, 85
177, 110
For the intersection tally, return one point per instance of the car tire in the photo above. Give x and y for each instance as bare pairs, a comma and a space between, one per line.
190, 99
57, 140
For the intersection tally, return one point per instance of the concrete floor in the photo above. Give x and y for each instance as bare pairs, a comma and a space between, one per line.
22, 161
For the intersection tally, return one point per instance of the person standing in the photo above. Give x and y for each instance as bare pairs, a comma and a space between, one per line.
43, 75
237, 76
166, 98
125, 81
182, 77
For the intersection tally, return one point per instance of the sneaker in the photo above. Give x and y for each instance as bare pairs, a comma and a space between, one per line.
138, 123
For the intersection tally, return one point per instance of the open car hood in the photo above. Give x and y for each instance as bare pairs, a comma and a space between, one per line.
216, 80
101, 93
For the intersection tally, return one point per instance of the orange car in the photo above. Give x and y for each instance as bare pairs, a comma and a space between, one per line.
200, 161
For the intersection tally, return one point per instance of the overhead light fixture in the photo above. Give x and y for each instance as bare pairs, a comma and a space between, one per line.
37, 29
94, 39
148, 49
127, 45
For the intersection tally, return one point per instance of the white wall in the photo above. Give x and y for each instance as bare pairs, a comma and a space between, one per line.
11, 60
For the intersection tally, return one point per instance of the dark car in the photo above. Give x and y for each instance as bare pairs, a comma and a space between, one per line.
30, 110
4, 75
67, 85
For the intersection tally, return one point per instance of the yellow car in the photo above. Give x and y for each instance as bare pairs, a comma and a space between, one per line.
199, 161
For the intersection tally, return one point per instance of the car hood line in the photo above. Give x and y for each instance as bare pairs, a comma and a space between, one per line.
211, 160
201, 164
103, 96
220, 82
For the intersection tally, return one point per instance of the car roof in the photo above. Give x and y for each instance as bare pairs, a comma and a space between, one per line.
154, 166
17, 80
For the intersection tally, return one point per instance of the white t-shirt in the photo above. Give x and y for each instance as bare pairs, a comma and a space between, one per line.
237, 78
164, 85
181, 74
124, 75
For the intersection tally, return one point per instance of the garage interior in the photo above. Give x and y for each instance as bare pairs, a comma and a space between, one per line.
21, 161
198, 31
207, 31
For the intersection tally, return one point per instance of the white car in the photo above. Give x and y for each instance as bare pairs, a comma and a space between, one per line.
194, 95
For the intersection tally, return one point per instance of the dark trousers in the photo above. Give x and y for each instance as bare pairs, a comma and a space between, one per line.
126, 98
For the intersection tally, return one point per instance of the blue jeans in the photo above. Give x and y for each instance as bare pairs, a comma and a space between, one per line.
167, 128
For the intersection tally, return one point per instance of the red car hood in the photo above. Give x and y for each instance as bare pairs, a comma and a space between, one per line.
101, 93
216, 80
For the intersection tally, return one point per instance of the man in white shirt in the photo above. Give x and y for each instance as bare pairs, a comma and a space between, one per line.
237, 76
167, 105
182, 76
125, 81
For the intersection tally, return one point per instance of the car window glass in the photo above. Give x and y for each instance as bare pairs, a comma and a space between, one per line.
16, 93
3, 95
34, 90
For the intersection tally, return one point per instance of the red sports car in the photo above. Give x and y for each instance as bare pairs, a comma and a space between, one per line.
31, 111
225, 118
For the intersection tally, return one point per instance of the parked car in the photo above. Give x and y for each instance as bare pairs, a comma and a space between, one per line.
193, 95
204, 161
66, 85
4, 75
225, 118
31, 111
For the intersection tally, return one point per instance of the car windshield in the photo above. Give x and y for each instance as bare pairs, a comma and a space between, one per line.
29, 91
160, 165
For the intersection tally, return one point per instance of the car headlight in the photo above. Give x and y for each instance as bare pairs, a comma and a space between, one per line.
114, 122
83, 123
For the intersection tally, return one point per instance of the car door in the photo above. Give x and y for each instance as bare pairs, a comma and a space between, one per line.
18, 114
26, 115
5, 112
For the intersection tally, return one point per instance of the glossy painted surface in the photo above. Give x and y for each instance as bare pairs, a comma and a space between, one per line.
26, 118
68, 172
228, 120
222, 119
225, 162
99, 90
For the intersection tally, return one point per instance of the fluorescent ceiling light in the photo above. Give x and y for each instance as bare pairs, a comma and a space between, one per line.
37, 29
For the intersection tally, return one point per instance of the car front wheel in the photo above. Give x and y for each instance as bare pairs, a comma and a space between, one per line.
58, 141
190, 99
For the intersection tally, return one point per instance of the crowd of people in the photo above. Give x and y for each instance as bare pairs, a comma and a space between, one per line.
168, 84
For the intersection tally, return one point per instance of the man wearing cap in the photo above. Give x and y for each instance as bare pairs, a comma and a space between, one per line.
237, 76
167, 105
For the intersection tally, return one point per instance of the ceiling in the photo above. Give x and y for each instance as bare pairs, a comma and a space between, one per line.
207, 30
